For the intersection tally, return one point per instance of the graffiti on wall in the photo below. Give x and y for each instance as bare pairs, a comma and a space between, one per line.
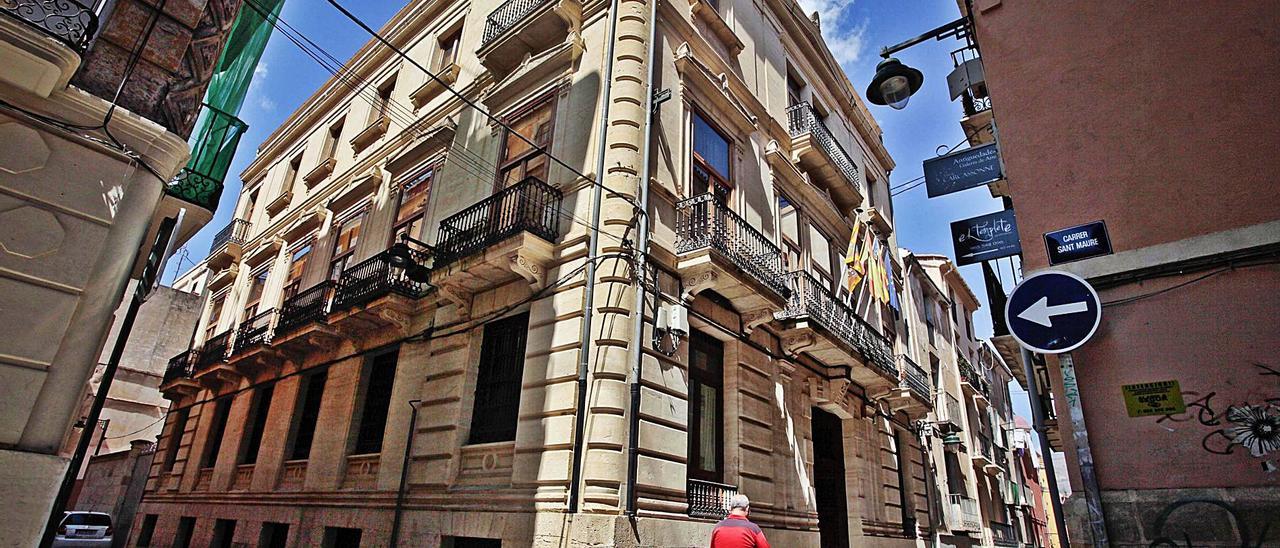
1183, 523
1245, 426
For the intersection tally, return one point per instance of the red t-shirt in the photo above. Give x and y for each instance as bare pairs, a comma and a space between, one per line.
737, 532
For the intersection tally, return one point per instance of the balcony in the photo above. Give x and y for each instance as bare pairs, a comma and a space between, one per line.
228, 245
817, 152
976, 122
211, 366
372, 295
1003, 534
912, 393
821, 325
301, 325
371, 134
505, 237
708, 499
982, 454
252, 341
320, 172
964, 515
949, 417
523, 28
719, 250
445, 76
973, 383
31, 61
217, 135
177, 375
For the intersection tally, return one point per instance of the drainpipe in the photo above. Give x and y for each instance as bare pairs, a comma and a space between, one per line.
404, 473
641, 253
588, 299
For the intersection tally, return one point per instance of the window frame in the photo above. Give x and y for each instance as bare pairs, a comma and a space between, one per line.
253, 298
332, 137
447, 46
521, 161
314, 384
343, 257
293, 277
364, 435
720, 184
698, 378
217, 432
255, 424
495, 405
429, 169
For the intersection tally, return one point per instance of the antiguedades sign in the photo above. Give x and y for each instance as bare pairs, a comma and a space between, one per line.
986, 237
962, 170
1078, 242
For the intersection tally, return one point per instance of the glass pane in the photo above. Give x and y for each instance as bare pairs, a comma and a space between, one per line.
708, 425
790, 220
710, 145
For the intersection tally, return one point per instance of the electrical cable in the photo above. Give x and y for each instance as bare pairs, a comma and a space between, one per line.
157, 421
1228, 268
902, 187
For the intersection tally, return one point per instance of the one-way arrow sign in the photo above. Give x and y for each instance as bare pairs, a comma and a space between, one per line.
1052, 312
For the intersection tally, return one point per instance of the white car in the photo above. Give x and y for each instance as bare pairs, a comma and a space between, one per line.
83, 529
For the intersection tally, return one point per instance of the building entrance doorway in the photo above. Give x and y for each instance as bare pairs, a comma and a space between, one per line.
828, 479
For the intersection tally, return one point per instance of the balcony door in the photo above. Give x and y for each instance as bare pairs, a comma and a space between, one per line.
828, 480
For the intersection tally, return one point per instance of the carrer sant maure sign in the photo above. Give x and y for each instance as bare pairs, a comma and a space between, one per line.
968, 168
985, 237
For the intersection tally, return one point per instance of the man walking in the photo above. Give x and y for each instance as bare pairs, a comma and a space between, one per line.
736, 531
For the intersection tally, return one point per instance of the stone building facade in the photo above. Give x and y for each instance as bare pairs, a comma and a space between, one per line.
348, 386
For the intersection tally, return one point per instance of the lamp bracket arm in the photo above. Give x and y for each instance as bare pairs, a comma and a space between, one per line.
938, 33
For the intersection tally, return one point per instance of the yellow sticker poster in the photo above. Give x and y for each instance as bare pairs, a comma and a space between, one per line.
1153, 399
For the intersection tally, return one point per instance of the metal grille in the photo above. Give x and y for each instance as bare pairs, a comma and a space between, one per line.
802, 119
964, 514
71, 22
215, 350
254, 332
948, 410
308, 306
1003, 534
706, 222
809, 298
498, 381
974, 105
180, 366
528, 206
708, 499
233, 233
914, 378
373, 279
506, 16
970, 375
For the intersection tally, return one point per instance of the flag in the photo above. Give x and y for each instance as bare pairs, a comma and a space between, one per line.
854, 266
893, 290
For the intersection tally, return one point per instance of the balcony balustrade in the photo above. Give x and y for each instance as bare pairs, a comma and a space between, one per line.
708, 499
1003, 534
217, 135
211, 365
372, 295
950, 419
177, 374
719, 250
309, 306
964, 514
817, 152
915, 379
973, 382
528, 27
254, 332
982, 455
228, 245
821, 325
69, 21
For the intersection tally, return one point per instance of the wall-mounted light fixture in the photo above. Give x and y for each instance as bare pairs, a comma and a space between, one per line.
401, 257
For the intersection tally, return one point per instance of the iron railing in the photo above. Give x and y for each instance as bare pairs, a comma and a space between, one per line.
181, 366
374, 278
970, 374
973, 105
528, 206
984, 447
914, 378
214, 350
254, 331
234, 233
948, 410
1003, 534
810, 298
308, 306
71, 22
706, 222
708, 499
802, 119
1002, 459
964, 515
212, 149
506, 16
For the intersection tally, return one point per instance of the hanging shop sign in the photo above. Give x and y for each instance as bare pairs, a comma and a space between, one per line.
1153, 399
985, 238
968, 168
1077, 243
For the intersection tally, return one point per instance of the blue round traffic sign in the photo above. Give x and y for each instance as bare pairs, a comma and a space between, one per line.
1052, 312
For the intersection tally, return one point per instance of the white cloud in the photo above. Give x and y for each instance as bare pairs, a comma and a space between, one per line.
829, 11
261, 100
848, 43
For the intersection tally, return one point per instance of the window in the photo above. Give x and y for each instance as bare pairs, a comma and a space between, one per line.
706, 403
448, 50
221, 409
794, 89
215, 312
521, 160
929, 321
345, 245
250, 206
175, 438
414, 192
223, 531
297, 264
790, 222
968, 325
147, 530
341, 537
291, 174
331, 140
497, 405
820, 257
256, 424
256, 284
186, 526
304, 428
382, 102
711, 159
377, 399
274, 535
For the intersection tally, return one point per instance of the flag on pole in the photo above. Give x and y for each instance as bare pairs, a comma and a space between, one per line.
854, 265
893, 290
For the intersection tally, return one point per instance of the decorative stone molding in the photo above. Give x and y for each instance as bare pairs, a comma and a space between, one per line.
696, 283
528, 269
457, 295
752, 319
795, 343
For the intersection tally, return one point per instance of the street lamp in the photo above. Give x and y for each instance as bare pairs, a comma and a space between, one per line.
894, 83
400, 257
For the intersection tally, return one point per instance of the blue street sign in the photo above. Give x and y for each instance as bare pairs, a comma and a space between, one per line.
1077, 243
1052, 312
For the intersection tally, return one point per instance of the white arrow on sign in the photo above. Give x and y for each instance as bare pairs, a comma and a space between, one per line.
1042, 313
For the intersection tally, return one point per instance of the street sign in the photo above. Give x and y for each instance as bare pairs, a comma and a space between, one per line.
1077, 243
1153, 399
985, 237
1052, 312
968, 168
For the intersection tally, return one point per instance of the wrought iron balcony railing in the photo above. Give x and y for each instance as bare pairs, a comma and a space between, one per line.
970, 374
948, 410
914, 377
181, 366
374, 278
212, 148
528, 206
973, 105
811, 298
964, 515
1003, 534
508, 15
708, 499
254, 331
234, 233
70, 21
984, 446
308, 306
706, 222
802, 119
214, 350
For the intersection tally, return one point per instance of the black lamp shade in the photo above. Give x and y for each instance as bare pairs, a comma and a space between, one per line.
399, 256
418, 273
893, 83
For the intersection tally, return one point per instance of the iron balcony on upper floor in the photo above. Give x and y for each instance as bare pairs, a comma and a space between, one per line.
973, 383
521, 28
821, 325
912, 395
228, 245
817, 152
949, 418
217, 135
717, 249
72, 22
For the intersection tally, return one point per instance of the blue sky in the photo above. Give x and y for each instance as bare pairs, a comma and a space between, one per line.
855, 29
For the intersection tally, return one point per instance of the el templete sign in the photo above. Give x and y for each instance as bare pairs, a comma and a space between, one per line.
1153, 399
968, 168
985, 237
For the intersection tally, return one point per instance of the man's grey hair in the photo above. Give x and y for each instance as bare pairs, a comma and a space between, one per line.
739, 501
